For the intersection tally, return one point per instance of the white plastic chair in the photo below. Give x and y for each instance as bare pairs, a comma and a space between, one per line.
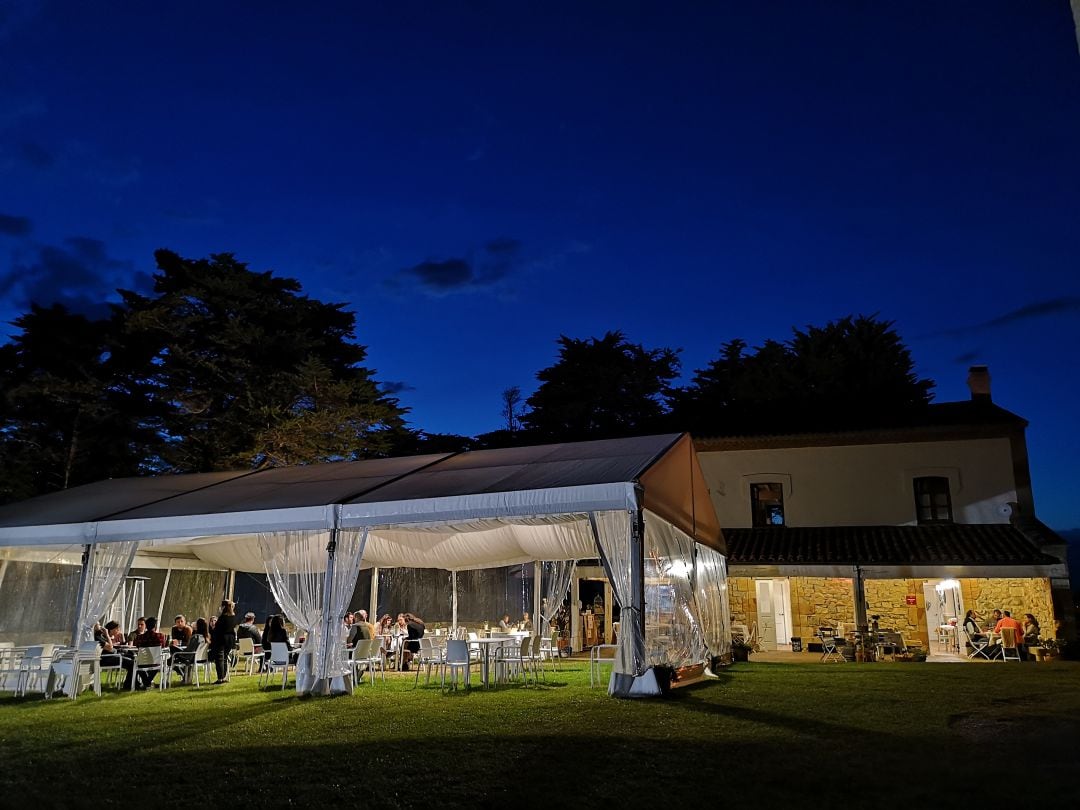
280, 661
148, 659
36, 666
180, 663
246, 652
509, 659
457, 658
430, 656
367, 654
77, 670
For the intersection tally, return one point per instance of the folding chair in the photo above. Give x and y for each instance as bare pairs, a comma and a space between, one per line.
1009, 643
829, 647
979, 646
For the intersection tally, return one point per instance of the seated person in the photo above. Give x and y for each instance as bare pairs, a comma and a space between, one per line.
971, 627
116, 635
247, 629
180, 632
150, 637
275, 632
185, 655
109, 656
504, 623
526, 622
140, 627
1031, 630
1008, 621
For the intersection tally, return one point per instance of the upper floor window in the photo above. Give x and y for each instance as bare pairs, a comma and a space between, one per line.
933, 504
767, 504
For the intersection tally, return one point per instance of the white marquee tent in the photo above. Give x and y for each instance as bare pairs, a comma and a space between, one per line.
640, 505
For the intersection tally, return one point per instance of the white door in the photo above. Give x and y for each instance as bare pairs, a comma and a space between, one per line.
782, 605
935, 617
766, 615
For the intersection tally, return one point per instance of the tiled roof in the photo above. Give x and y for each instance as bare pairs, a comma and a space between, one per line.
950, 544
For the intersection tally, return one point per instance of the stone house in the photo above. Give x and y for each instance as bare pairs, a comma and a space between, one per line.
929, 518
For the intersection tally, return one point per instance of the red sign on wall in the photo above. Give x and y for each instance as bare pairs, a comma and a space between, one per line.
911, 599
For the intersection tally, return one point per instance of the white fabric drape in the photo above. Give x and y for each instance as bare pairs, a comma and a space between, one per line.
331, 671
710, 587
107, 565
555, 577
295, 563
613, 531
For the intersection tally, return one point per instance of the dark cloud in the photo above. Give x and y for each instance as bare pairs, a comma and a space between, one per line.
482, 270
395, 387
36, 156
78, 274
15, 226
1040, 309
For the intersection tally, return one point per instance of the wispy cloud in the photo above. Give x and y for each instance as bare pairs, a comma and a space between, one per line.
481, 270
15, 226
968, 357
395, 387
1040, 309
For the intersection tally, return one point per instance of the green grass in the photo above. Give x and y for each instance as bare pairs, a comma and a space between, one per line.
815, 735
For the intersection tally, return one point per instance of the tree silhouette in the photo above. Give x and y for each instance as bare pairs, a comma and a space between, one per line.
601, 388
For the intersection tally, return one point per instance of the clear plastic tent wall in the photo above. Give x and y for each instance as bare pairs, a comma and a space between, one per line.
39, 588
686, 615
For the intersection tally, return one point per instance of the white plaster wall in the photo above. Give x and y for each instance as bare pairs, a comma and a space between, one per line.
864, 485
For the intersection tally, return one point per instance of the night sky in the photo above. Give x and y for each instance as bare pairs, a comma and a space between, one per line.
477, 179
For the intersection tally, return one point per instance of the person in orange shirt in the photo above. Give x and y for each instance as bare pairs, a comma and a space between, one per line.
1008, 621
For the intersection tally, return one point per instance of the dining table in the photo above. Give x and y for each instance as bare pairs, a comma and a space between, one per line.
486, 645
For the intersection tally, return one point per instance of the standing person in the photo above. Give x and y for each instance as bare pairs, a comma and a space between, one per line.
223, 639
415, 631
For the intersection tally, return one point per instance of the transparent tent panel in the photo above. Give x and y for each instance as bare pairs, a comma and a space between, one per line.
484, 595
38, 601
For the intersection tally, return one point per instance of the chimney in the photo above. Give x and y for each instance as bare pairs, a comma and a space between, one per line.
979, 382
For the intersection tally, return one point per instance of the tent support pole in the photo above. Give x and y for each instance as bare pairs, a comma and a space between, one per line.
373, 600
230, 586
327, 620
859, 588
637, 579
76, 631
164, 590
537, 619
3, 570
453, 602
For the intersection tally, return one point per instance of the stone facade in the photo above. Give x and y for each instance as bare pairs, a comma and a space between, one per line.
1019, 596
826, 601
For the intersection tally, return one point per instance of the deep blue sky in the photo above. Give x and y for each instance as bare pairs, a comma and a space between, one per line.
477, 179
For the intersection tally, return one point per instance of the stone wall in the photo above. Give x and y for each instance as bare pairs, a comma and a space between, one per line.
821, 601
1019, 596
888, 598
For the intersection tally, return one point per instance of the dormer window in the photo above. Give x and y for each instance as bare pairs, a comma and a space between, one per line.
933, 503
767, 504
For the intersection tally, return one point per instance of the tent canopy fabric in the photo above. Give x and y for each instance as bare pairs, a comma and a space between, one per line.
456, 511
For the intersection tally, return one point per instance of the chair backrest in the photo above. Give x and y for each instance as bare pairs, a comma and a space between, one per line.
457, 652
473, 636
537, 643
1008, 637
279, 653
246, 646
202, 654
526, 645
148, 657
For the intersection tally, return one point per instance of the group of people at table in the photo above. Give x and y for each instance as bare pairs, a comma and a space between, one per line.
1026, 633
221, 634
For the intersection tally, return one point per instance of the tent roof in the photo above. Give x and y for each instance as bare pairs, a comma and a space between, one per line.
550, 479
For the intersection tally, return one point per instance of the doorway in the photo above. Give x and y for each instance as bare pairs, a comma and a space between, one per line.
774, 613
944, 612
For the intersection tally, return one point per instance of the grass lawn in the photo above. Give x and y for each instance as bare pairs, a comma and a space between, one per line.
814, 735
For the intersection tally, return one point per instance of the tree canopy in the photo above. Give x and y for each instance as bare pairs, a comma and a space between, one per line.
601, 388
853, 372
219, 368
